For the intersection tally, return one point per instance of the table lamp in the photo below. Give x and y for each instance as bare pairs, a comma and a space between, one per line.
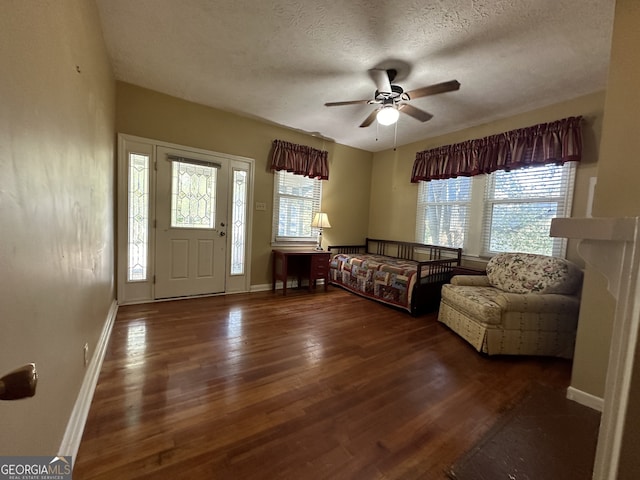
320, 221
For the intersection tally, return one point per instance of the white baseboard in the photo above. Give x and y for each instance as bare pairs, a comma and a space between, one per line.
264, 287
586, 399
75, 427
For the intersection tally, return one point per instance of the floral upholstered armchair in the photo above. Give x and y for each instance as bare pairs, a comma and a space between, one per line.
526, 304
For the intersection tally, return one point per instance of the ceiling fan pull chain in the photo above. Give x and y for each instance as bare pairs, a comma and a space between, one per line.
395, 136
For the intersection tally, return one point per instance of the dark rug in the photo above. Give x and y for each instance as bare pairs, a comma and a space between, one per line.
544, 437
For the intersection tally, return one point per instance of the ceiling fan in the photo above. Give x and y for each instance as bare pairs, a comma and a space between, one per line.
392, 98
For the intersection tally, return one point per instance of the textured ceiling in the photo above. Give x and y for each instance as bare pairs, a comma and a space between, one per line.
281, 60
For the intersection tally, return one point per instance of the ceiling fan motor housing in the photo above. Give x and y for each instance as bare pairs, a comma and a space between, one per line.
396, 92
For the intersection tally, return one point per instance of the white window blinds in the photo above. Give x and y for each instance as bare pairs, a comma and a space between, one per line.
295, 201
519, 206
443, 212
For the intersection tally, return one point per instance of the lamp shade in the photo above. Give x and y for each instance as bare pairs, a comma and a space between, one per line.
387, 115
320, 220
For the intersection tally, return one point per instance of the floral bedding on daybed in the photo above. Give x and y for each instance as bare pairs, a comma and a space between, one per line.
386, 279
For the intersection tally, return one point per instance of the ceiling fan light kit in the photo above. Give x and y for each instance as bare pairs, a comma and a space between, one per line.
387, 115
393, 99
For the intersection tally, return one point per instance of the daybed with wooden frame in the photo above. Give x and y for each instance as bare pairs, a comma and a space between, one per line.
406, 275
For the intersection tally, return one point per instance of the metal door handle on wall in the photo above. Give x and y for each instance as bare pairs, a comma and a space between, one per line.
20, 383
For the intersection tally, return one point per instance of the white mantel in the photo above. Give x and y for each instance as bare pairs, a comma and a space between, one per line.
611, 246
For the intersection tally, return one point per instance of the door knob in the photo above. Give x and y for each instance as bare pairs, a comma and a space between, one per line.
20, 383
222, 234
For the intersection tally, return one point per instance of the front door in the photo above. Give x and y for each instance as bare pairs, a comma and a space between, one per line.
191, 210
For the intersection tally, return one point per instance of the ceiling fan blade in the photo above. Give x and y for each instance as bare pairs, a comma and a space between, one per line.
433, 89
350, 102
381, 79
415, 112
369, 120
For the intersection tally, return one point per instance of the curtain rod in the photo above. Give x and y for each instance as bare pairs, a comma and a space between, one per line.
193, 161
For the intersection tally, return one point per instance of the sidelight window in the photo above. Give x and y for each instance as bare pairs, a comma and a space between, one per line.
138, 217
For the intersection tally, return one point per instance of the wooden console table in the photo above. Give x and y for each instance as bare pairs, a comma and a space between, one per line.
311, 264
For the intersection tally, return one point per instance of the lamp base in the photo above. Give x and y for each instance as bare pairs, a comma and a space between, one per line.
319, 246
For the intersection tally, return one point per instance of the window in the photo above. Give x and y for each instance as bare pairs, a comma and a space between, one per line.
138, 217
443, 211
503, 211
238, 222
193, 195
519, 206
295, 200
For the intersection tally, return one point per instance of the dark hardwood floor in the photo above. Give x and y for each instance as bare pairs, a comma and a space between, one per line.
307, 386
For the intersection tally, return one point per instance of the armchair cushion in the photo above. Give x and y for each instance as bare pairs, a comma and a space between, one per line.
530, 273
475, 301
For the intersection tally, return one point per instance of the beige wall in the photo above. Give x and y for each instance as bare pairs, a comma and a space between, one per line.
56, 208
617, 189
345, 195
618, 194
394, 198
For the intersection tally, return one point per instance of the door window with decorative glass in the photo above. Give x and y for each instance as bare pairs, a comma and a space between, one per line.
193, 196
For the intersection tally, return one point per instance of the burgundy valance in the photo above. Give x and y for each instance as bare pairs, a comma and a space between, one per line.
554, 142
300, 159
